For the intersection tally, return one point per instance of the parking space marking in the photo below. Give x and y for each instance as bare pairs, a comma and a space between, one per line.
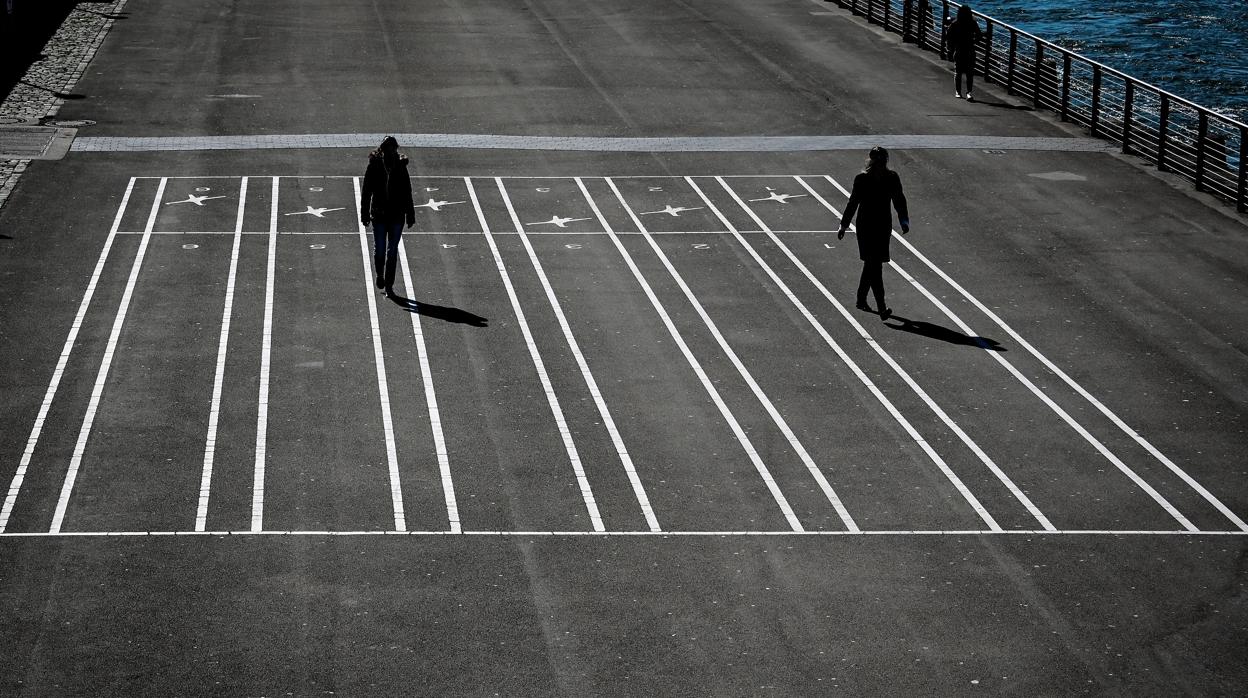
761, 467
15, 486
97, 392
218, 381
553, 400
600, 403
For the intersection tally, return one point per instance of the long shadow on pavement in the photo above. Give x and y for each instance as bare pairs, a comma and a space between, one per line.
944, 334
26, 29
439, 312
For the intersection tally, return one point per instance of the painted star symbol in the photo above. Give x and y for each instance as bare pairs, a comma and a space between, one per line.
192, 199
437, 205
318, 212
782, 198
561, 222
672, 210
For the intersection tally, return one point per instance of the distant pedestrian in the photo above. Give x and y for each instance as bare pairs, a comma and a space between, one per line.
875, 188
386, 203
962, 37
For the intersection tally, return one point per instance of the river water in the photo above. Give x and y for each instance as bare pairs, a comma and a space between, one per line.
1196, 49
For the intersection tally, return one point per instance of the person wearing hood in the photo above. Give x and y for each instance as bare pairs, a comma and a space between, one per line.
386, 204
875, 189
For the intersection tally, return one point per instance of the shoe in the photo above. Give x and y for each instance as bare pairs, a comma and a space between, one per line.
886, 313
958, 95
389, 292
862, 305
969, 98
381, 283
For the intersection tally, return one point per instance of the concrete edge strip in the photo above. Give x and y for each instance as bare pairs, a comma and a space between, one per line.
725, 144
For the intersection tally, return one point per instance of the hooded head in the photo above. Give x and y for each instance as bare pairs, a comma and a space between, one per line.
877, 160
388, 151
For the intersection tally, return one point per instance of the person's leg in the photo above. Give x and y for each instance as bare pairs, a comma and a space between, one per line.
957, 82
379, 252
877, 287
395, 235
970, 82
864, 284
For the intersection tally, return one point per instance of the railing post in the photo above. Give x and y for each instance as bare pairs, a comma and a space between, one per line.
870, 11
1128, 115
1163, 126
1241, 195
907, 19
988, 51
1202, 133
925, 11
853, 7
888, 12
1065, 86
1009, 74
1096, 99
1035, 87
944, 19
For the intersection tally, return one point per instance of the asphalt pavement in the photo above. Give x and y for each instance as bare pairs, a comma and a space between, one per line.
622, 430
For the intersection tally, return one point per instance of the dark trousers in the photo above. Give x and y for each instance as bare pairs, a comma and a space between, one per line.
386, 237
872, 279
970, 79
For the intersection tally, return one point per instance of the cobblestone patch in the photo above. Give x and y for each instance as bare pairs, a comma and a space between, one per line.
68, 53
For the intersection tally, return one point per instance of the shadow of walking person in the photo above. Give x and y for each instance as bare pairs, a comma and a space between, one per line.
944, 334
439, 312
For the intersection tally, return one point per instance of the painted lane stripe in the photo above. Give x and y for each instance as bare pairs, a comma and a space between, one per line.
761, 467
266, 350
97, 392
1100, 447
564, 432
840, 352
218, 381
939, 412
623, 534
431, 401
591, 384
383, 386
15, 486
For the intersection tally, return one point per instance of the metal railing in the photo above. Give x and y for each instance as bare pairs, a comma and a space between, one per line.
1175, 134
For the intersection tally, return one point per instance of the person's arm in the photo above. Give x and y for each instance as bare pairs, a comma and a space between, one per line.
855, 196
366, 195
899, 202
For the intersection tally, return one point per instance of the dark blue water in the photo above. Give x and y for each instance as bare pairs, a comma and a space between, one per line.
1196, 49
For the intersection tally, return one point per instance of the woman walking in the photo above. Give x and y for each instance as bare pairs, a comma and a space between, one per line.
875, 188
962, 37
386, 203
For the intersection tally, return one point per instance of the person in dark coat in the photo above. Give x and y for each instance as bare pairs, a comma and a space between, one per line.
961, 39
386, 203
875, 188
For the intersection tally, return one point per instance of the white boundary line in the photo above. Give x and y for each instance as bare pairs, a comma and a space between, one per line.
742, 437
266, 350
622, 534
1100, 447
564, 432
431, 400
15, 486
592, 385
383, 385
905, 376
214, 410
853, 366
97, 392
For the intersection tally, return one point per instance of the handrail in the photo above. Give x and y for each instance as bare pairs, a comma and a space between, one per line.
1178, 136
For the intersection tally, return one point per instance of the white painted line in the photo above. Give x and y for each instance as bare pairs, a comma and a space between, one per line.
431, 400
266, 351
383, 386
218, 381
1100, 447
731, 420
97, 392
618, 534
592, 385
15, 486
939, 412
564, 432
853, 366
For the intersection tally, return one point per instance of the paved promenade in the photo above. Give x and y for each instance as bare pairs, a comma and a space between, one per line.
622, 431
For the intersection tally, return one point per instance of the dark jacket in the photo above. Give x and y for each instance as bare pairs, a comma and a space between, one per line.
386, 194
870, 198
960, 39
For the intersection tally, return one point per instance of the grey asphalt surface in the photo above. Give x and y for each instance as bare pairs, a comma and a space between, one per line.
1131, 285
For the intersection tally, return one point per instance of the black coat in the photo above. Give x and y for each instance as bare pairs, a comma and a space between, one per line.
961, 41
870, 199
386, 194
